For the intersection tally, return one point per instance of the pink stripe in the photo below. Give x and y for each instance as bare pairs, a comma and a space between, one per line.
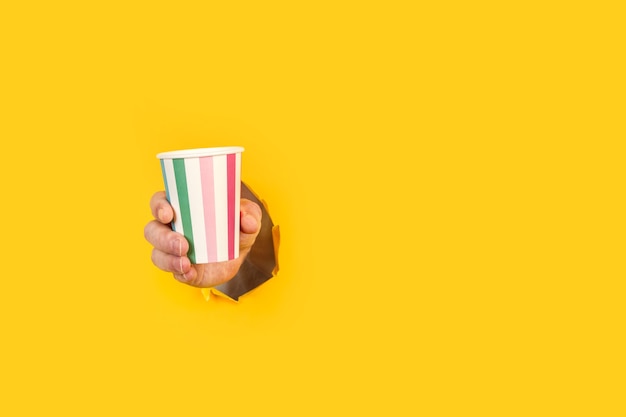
208, 197
230, 167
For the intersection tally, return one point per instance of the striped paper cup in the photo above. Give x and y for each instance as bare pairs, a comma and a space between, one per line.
204, 188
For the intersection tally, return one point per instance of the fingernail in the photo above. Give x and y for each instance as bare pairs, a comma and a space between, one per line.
181, 267
160, 214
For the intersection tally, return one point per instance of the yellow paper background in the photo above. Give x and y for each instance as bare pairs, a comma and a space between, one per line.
448, 180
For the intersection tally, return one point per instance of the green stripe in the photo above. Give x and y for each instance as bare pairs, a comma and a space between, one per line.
183, 200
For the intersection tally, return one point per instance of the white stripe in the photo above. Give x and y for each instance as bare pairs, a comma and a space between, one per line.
237, 202
220, 180
173, 191
194, 188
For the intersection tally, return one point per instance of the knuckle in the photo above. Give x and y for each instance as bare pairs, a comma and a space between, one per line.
157, 235
153, 257
152, 233
160, 242
146, 232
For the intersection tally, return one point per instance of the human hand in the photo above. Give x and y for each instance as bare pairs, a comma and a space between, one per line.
170, 248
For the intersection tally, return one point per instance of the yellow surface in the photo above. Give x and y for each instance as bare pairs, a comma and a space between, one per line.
448, 179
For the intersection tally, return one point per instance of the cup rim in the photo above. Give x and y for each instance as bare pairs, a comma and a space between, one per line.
200, 152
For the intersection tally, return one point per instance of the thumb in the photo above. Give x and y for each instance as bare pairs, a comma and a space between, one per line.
251, 216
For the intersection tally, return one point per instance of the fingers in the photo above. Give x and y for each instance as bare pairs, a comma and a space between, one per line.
170, 247
164, 239
161, 208
251, 215
210, 275
170, 263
